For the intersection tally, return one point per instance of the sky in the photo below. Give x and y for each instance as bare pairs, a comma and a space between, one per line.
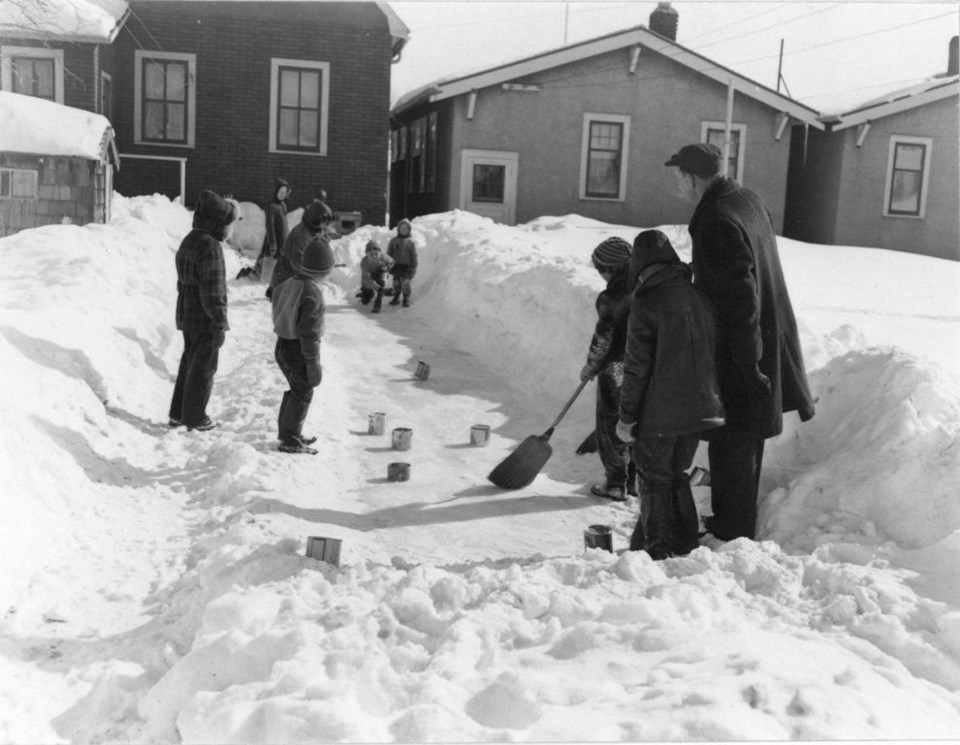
835, 54
155, 587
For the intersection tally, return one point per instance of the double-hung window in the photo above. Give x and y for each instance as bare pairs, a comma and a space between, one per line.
299, 96
603, 157
715, 133
908, 174
165, 99
32, 71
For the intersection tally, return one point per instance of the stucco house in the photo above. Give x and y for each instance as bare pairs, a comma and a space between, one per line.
884, 174
225, 94
56, 164
585, 129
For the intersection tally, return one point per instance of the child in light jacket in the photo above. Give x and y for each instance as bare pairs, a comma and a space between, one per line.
403, 251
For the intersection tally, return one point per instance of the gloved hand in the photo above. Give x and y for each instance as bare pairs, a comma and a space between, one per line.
586, 373
219, 337
625, 432
314, 372
755, 381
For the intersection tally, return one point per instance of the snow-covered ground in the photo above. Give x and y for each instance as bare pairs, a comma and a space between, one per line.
155, 588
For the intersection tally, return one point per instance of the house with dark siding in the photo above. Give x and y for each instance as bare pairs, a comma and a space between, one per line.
585, 129
884, 174
224, 94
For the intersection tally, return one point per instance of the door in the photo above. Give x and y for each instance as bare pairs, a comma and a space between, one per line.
488, 184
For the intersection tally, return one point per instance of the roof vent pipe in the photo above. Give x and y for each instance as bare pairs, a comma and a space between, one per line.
664, 20
953, 67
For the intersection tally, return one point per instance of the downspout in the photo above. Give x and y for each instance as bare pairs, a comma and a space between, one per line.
728, 125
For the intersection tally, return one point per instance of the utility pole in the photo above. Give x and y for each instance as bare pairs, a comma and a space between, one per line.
780, 67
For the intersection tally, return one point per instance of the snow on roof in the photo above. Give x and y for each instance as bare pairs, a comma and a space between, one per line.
902, 99
39, 127
448, 87
75, 20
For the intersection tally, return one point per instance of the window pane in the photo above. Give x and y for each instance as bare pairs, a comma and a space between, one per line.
905, 196
176, 122
909, 157
310, 90
603, 175
605, 136
24, 184
309, 130
488, 181
289, 88
289, 123
5, 177
153, 80
43, 75
153, 113
176, 83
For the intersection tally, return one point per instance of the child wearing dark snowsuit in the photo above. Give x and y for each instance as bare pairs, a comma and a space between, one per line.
670, 393
298, 320
201, 309
372, 268
275, 227
605, 363
403, 251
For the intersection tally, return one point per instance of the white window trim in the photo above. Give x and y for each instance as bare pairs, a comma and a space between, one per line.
588, 119
734, 127
109, 78
909, 140
191, 60
6, 69
275, 64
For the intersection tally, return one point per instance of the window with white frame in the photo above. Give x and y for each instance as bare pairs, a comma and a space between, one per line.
908, 174
165, 98
299, 96
715, 133
32, 71
603, 157
18, 183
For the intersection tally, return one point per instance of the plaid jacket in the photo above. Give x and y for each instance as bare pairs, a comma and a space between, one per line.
201, 273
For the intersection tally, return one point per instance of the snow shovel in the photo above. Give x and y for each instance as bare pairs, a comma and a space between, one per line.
521, 467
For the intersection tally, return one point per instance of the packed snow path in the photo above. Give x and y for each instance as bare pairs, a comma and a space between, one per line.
369, 362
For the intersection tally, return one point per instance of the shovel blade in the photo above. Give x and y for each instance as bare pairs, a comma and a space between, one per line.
521, 467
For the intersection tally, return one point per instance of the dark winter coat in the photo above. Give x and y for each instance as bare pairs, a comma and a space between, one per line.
201, 274
610, 333
403, 251
275, 223
670, 385
736, 263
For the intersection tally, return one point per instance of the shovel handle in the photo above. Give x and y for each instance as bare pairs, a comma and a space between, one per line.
565, 409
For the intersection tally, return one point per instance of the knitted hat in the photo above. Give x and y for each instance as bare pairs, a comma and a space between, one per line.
700, 159
318, 259
316, 215
611, 253
372, 246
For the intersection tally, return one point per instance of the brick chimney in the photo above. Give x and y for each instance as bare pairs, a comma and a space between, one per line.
664, 20
953, 67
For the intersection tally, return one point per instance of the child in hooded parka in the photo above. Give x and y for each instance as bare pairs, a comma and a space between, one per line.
373, 266
298, 320
403, 251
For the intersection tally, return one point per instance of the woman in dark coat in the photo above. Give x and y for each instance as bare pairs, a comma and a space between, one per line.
670, 393
275, 226
201, 309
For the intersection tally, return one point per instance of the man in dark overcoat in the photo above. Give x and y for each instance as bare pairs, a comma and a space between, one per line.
759, 360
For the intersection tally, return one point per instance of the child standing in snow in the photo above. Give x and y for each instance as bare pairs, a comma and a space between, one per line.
275, 227
403, 251
605, 363
372, 268
670, 393
298, 320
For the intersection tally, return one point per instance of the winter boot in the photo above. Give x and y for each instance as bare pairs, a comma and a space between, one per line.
296, 446
377, 303
607, 491
406, 301
396, 299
